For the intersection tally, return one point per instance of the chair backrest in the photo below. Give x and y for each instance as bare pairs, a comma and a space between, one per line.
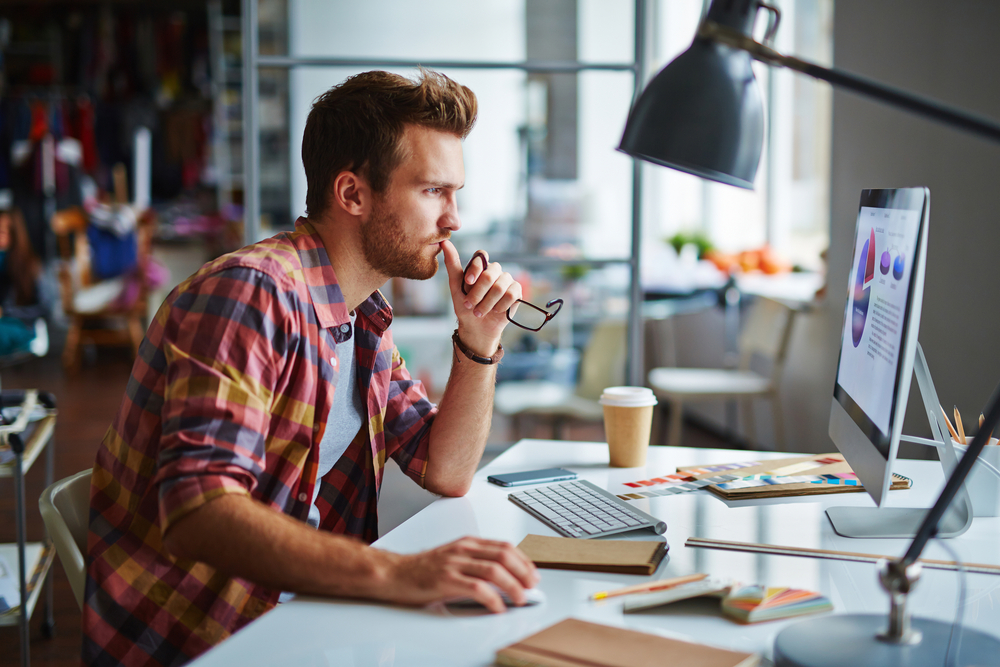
70, 228
65, 508
767, 333
603, 361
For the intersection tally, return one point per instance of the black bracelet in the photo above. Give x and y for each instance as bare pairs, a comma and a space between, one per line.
486, 361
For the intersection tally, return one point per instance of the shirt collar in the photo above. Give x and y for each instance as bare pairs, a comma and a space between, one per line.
324, 289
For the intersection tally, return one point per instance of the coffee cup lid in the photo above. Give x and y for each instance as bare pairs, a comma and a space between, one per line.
628, 397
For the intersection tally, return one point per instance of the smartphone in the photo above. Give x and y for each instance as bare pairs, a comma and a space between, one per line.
532, 477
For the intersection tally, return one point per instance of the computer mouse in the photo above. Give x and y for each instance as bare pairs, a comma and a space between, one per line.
533, 596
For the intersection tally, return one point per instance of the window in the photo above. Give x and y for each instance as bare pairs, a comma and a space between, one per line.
789, 208
546, 190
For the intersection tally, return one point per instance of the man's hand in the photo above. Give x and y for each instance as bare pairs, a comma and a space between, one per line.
464, 568
482, 313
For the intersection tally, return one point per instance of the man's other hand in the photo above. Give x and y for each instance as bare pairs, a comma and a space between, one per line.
465, 568
482, 312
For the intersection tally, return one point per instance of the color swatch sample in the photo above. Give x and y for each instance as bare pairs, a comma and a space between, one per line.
743, 604
753, 604
686, 481
690, 475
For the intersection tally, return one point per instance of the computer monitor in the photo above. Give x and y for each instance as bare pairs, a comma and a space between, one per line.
877, 351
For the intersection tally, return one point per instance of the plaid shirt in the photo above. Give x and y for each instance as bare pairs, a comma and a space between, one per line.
230, 394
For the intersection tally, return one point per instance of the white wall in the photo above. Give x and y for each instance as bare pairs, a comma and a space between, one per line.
946, 51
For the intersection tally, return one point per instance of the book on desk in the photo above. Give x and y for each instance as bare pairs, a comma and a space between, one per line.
576, 643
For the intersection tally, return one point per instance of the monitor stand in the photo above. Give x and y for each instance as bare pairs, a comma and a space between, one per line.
903, 522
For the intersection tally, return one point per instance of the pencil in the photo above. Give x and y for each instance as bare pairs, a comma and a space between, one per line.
958, 425
650, 587
951, 429
981, 419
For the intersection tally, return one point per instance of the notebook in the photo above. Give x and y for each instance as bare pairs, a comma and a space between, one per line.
576, 643
567, 553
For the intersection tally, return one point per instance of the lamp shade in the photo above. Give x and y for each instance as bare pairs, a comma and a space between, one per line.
701, 114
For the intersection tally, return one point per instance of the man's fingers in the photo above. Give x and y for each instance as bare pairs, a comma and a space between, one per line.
511, 558
475, 268
509, 298
485, 280
492, 297
496, 574
486, 595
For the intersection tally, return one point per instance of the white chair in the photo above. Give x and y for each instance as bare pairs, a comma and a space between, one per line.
767, 334
65, 508
602, 365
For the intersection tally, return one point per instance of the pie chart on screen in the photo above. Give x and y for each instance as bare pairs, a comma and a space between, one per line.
862, 288
898, 266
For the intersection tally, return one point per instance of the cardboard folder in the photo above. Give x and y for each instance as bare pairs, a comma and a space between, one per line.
576, 643
567, 553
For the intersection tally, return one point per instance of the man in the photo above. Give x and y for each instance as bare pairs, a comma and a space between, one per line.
268, 394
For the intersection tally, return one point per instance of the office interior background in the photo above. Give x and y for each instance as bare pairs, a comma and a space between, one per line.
546, 191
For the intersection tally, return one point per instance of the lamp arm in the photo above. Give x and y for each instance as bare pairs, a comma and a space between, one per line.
838, 78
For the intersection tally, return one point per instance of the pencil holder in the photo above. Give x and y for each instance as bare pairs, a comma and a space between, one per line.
982, 483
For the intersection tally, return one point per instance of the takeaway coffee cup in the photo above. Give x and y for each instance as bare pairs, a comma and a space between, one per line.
628, 417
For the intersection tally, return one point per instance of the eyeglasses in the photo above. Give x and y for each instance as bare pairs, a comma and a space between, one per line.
530, 317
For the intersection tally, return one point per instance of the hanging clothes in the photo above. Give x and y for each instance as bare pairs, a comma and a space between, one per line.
83, 130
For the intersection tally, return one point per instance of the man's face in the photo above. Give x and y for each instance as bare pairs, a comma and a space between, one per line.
403, 233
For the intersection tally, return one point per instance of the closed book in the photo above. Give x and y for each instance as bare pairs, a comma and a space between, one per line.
576, 643
621, 556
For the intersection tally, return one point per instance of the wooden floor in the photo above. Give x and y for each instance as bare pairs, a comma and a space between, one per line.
87, 403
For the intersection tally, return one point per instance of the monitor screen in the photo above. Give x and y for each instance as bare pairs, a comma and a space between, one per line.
877, 316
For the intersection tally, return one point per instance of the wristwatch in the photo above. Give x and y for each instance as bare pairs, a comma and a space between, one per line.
486, 361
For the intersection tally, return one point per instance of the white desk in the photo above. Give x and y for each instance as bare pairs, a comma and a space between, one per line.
328, 632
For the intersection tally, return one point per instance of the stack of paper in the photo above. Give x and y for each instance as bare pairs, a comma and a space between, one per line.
751, 604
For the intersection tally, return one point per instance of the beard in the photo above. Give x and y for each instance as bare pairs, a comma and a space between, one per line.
388, 250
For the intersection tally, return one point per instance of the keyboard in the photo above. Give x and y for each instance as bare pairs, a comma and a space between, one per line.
585, 510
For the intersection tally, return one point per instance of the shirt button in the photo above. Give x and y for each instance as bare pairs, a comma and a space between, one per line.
344, 328
333, 361
302, 497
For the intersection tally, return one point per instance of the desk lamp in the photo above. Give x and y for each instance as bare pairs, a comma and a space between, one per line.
703, 114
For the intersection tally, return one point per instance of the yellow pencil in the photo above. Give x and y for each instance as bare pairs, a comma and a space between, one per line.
650, 587
958, 425
951, 429
981, 419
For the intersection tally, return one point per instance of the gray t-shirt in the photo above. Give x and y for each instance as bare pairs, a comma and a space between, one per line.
345, 418
342, 424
